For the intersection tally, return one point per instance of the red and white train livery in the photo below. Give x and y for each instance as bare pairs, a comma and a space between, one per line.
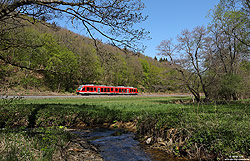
102, 89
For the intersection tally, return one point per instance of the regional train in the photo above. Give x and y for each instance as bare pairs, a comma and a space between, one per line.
90, 89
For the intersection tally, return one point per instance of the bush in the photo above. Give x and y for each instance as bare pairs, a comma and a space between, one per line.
228, 87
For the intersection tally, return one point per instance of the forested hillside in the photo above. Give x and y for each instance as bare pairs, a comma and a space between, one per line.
59, 60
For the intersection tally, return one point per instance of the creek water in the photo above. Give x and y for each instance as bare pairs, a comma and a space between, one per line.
120, 145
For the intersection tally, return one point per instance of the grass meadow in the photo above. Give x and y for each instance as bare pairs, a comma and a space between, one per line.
174, 124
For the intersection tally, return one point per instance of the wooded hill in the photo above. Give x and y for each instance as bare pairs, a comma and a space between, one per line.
60, 60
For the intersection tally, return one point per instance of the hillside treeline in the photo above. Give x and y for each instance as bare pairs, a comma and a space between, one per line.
60, 60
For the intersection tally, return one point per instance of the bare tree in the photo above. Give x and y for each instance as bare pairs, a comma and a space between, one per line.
188, 58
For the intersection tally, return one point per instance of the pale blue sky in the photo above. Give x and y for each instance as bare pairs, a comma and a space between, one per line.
167, 18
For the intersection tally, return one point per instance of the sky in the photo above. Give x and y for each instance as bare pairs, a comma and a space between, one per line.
166, 19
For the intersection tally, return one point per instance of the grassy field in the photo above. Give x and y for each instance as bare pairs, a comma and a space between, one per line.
173, 124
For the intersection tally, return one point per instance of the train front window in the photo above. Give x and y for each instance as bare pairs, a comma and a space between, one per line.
79, 88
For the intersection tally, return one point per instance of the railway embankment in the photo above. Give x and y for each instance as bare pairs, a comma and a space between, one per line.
175, 125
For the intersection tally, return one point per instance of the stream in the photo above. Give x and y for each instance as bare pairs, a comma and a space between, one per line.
120, 145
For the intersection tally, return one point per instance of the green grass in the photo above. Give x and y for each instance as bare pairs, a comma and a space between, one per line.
95, 100
197, 130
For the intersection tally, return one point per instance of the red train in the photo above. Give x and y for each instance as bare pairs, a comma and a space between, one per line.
102, 89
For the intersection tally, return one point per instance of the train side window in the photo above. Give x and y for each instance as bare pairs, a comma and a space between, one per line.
120, 90
105, 89
112, 89
101, 89
108, 90
116, 89
91, 89
87, 88
94, 89
83, 89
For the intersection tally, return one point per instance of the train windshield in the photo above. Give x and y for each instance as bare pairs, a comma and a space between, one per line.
80, 87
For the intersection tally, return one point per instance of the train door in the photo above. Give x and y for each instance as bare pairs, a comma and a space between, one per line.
98, 90
127, 90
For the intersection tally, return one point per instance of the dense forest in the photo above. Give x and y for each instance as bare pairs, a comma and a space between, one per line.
60, 60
